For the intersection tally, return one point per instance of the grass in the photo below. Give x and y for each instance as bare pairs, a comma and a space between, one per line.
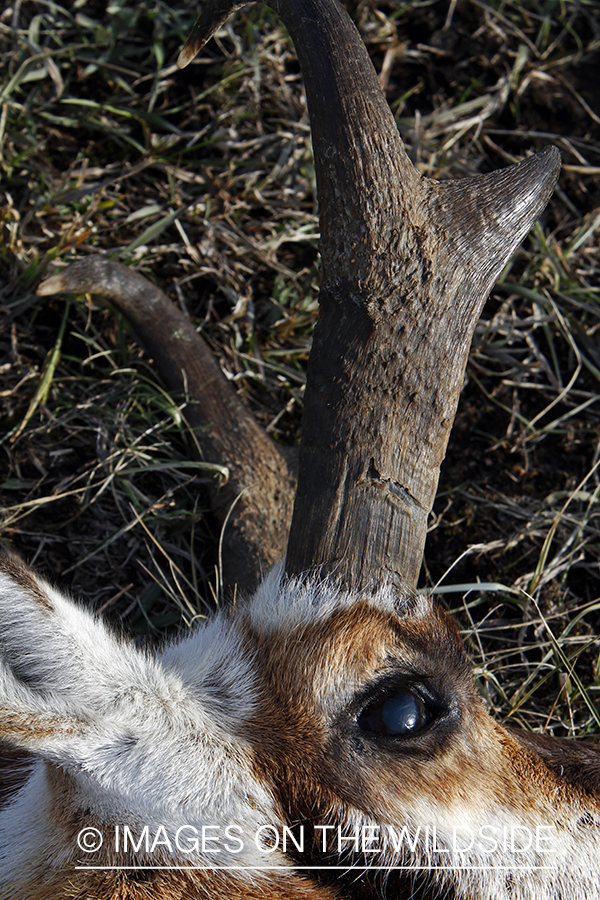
204, 180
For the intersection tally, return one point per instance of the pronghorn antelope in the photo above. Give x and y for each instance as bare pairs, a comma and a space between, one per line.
324, 737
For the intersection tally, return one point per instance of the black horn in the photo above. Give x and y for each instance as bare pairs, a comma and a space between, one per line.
254, 505
407, 263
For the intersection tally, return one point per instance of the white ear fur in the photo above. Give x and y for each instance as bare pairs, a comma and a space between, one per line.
61, 669
75, 694
143, 742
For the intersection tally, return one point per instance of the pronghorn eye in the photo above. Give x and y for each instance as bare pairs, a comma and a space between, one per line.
401, 713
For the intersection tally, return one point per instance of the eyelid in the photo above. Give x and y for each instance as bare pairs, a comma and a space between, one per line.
412, 682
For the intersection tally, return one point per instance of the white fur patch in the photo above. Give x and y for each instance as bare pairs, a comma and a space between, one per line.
282, 603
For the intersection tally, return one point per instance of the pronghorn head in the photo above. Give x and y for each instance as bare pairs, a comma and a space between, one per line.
329, 723
282, 747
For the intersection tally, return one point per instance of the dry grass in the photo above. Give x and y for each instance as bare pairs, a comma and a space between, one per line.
204, 179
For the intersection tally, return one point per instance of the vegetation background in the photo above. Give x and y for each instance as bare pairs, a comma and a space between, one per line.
204, 180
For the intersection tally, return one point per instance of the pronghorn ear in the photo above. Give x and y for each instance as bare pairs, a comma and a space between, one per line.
60, 669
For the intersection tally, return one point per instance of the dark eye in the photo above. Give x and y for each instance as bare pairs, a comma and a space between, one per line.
401, 713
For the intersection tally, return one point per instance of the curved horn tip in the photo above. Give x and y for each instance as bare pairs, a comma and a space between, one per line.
189, 50
98, 275
198, 36
548, 161
537, 176
52, 285
76, 277
214, 13
552, 157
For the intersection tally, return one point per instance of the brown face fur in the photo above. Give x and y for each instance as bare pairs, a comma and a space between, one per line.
314, 680
173, 885
310, 679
